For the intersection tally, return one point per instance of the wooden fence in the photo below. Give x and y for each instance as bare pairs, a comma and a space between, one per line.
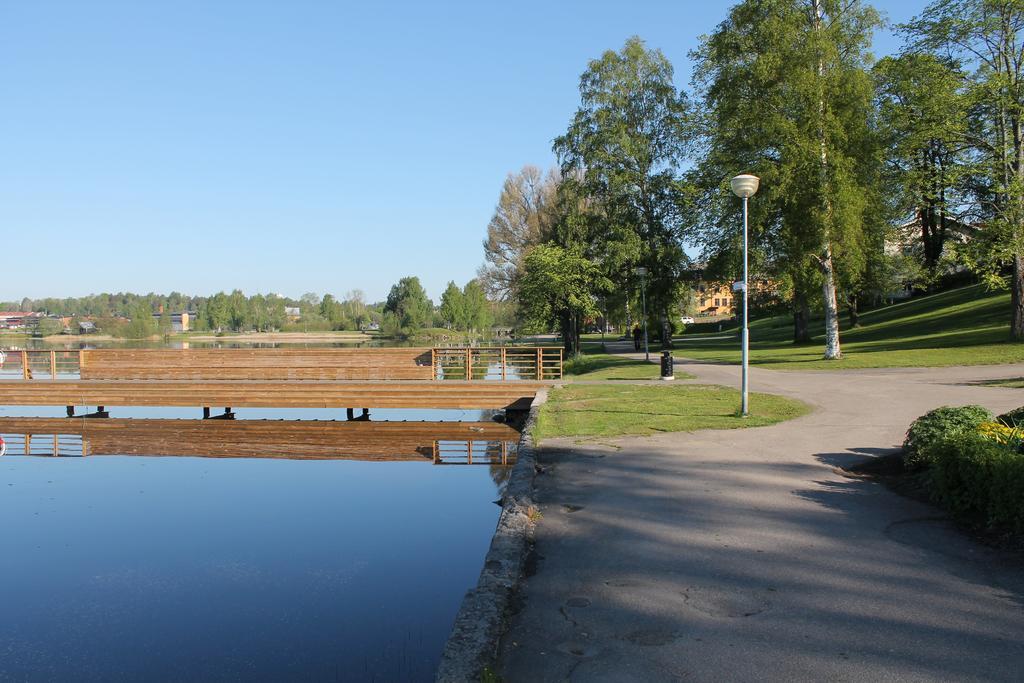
399, 364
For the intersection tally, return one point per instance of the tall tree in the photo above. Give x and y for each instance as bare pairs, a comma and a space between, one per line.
409, 303
621, 154
521, 220
557, 288
453, 306
924, 116
787, 96
987, 36
476, 309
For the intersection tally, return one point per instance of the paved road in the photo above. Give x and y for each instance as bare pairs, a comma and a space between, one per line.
745, 555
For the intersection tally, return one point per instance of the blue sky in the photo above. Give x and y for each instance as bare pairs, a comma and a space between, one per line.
288, 146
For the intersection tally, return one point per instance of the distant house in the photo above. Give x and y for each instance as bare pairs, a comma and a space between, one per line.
18, 320
908, 238
716, 299
292, 313
180, 322
86, 327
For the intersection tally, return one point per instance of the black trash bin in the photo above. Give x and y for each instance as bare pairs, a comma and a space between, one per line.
667, 370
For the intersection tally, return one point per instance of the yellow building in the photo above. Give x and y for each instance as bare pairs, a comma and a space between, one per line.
714, 299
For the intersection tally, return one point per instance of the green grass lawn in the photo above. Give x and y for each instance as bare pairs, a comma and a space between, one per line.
603, 366
966, 326
614, 410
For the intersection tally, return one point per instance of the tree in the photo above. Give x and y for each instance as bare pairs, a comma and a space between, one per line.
522, 219
924, 115
142, 324
216, 312
355, 308
238, 311
986, 35
453, 307
332, 311
787, 96
164, 324
476, 309
557, 288
409, 304
621, 153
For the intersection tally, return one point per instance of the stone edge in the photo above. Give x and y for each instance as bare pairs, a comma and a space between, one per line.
482, 618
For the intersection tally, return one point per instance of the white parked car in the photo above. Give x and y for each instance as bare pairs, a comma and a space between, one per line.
687, 320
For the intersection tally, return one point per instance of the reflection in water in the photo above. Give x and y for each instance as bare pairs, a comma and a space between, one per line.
441, 443
335, 551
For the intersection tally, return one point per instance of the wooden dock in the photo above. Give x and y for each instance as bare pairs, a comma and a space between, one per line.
431, 442
492, 378
269, 394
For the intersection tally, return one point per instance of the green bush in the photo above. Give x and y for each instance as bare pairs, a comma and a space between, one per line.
937, 425
979, 479
1014, 418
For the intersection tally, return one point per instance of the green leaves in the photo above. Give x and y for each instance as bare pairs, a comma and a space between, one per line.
621, 155
409, 304
558, 282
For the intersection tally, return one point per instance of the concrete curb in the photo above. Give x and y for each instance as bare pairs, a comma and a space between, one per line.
482, 619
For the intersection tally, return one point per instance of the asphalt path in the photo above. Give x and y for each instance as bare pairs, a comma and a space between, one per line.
748, 555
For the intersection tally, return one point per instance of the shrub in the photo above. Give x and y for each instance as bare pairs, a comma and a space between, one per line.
979, 479
1002, 434
937, 425
1014, 418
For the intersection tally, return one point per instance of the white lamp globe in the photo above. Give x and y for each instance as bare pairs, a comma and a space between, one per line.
745, 185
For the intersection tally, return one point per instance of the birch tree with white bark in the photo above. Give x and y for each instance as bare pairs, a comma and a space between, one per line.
787, 95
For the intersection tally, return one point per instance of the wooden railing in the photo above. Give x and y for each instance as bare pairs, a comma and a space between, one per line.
475, 452
398, 364
501, 363
40, 364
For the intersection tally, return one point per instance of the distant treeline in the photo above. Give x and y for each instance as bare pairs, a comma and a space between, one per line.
406, 311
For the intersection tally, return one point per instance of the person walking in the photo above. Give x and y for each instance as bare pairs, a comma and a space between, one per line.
637, 337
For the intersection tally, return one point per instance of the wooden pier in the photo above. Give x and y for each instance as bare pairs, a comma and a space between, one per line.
493, 378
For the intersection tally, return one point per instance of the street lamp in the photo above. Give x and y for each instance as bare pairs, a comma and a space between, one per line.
641, 272
745, 186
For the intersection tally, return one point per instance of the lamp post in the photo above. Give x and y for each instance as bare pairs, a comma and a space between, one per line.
642, 274
745, 186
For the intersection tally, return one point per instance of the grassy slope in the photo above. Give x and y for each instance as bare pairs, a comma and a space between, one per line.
613, 410
966, 326
603, 366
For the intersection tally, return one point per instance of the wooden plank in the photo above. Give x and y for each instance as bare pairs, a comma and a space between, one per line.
269, 394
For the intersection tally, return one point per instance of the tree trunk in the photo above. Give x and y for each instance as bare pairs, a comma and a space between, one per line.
828, 286
565, 323
1017, 299
851, 304
801, 319
832, 350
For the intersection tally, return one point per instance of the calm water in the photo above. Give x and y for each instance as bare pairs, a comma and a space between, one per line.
188, 569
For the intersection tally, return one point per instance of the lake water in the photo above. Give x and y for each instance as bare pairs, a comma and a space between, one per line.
126, 568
